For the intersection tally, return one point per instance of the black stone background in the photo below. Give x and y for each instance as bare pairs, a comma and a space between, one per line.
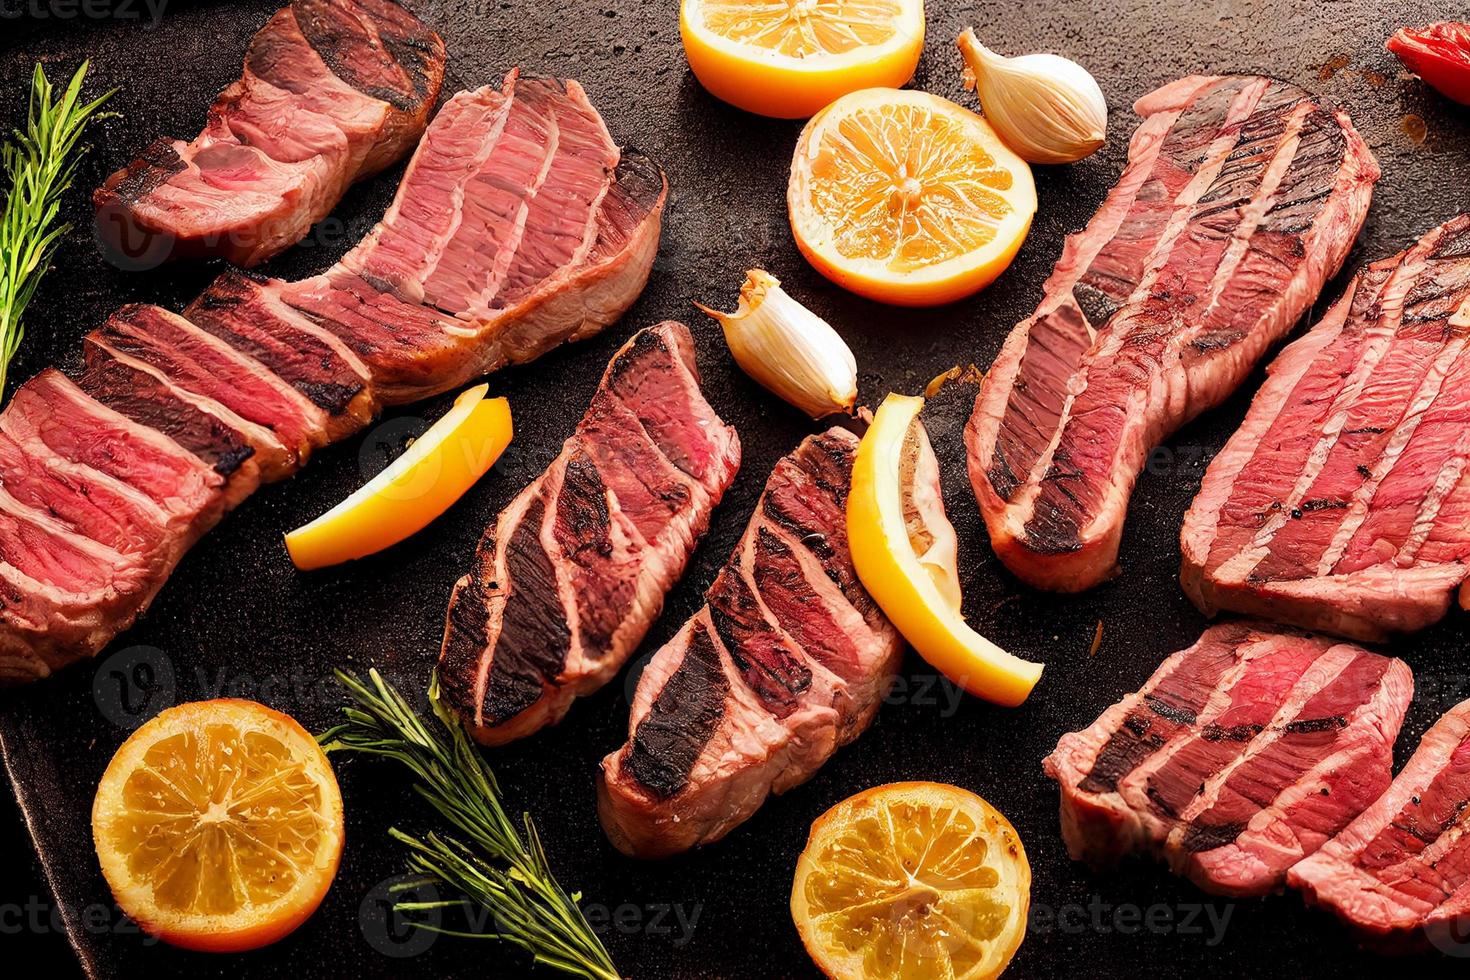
237, 610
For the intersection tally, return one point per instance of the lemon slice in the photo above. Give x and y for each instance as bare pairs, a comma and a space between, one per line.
789, 58
414, 489
218, 825
905, 588
907, 198
912, 881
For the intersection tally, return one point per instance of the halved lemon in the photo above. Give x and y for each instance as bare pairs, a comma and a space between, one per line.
912, 881
907, 589
414, 489
218, 825
907, 198
789, 58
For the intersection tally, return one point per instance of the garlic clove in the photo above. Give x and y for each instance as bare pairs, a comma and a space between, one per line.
1047, 108
788, 349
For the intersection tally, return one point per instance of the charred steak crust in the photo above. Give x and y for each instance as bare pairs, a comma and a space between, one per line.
1242, 195
332, 91
787, 662
176, 419
681, 721
550, 613
1399, 873
1240, 756
1340, 503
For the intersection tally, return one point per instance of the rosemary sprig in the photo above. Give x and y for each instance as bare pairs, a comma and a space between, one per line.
39, 163
496, 866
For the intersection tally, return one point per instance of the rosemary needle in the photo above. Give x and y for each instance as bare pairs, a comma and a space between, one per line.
39, 163
497, 865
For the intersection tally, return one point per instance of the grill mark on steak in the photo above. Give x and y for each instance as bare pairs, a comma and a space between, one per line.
799, 669
331, 91
583, 530
1222, 247
677, 727
1293, 737
461, 671
600, 567
1368, 421
531, 647
148, 401
772, 670
236, 310
1170, 703
1398, 873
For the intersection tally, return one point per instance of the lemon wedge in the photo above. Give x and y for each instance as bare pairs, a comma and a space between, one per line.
902, 585
907, 198
414, 489
789, 58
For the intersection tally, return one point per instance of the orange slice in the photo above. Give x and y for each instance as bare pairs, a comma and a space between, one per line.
218, 825
907, 198
789, 58
912, 881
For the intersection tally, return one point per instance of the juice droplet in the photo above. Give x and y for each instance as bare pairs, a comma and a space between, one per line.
1415, 128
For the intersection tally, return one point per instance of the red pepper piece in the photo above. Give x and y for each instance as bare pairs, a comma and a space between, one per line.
1439, 54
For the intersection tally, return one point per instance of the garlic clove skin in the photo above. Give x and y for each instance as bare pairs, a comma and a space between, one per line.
788, 349
1047, 108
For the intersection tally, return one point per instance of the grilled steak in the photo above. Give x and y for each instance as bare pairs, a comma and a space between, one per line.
788, 661
106, 479
1240, 756
573, 572
1242, 196
1400, 872
1342, 501
332, 91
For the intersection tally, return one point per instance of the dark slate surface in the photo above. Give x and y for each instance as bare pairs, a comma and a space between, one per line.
236, 617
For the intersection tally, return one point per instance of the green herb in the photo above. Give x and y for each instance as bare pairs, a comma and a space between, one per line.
40, 163
496, 866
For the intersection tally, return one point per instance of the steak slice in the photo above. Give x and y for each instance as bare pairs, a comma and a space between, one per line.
1241, 197
256, 374
788, 661
332, 91
500, 192
1342, 503
241, 312
1400, 873
74, 471
1240, 756
573, 572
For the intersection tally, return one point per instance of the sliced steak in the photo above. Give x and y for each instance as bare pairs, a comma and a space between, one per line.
1241, 197
1239, 757
788, 661
573, 572
1343, 501
1400, 873
332, 91
517, 227
251, 319
175, 419
97, 509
